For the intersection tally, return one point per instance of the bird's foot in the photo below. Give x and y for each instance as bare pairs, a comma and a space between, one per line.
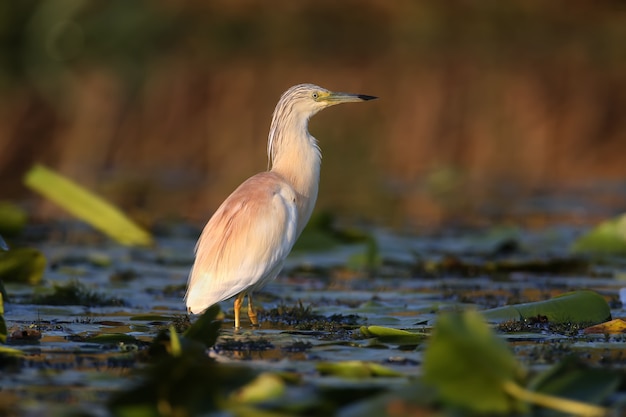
254, 321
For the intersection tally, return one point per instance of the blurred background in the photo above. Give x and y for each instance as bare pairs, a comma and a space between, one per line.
489, 111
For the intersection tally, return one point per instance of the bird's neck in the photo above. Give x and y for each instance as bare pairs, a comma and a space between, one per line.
295, 156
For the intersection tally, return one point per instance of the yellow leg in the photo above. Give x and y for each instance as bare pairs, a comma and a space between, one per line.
238, 304
252, 312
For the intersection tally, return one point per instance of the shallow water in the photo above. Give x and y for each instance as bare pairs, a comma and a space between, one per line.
68, 369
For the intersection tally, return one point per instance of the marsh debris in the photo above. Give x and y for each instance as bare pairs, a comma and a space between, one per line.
541, 324
24, 335
298, 346
181, 323
75, 293
245, 345
300, 317
124, 275
473, 266
170, 290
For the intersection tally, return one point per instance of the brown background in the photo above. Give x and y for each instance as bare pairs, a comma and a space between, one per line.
164, 106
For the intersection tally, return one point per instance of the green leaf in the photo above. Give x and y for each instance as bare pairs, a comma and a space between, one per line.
207, 328
355, 369
469, 365
186, 385
176, 349
7, 351
609, 237
74, 293
112, 338
573, 307
572, 379
318, 234
321, 234
267, 386
22, 265
12, 219
393, 336
86, 206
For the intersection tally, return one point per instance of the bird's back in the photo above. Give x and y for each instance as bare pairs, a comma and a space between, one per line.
246, 241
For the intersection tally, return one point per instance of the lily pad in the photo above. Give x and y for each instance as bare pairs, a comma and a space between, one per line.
356, 369
474, 370
267, 386
112, 338
609, 237
469, 365
586, 307
393, 336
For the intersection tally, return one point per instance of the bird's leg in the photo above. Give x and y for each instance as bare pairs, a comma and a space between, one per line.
238, 303
252, 312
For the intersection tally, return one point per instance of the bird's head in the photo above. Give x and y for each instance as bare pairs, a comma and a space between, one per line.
308, 99
294, 109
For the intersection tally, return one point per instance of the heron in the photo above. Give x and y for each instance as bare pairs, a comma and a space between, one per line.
244, 244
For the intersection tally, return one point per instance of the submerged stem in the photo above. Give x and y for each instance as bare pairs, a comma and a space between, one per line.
556, 403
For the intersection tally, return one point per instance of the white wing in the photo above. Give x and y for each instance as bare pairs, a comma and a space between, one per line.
245, 243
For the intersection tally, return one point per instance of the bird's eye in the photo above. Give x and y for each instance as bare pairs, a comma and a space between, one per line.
315, 96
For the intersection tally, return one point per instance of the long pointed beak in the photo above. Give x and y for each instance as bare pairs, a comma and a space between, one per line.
337, 98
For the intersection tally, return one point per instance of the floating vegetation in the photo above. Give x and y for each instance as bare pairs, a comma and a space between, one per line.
24, 335
92, 258
349, 344
393, 336
356, 369
587, 307
184, 384
75, 293
244, 345
300, 317
541, 324
473, 266
110, 339
475, 371
172, 290
22, 265
181, 323
124, 275
181, 379
607, 238
297, 346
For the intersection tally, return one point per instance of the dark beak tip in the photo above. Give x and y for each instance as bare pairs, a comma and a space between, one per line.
366, 98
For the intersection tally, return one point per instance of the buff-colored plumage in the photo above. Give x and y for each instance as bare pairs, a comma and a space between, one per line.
244, 244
